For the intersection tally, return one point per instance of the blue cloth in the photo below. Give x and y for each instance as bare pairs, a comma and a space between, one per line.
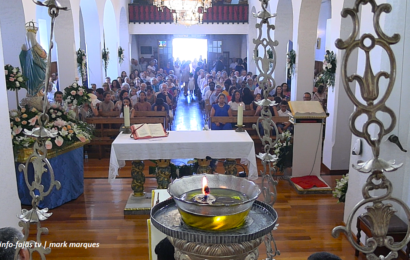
221, 111
68, 170
34, 69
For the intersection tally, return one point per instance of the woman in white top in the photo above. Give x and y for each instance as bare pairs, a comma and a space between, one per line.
236, 101
177, 72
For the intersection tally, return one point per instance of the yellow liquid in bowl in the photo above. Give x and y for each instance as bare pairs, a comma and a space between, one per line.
214, 222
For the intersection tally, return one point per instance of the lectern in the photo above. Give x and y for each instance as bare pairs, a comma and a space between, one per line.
307, 117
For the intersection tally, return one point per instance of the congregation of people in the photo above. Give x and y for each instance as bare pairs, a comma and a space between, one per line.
218, 87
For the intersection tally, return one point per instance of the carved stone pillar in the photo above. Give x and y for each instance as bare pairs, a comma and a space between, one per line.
203, 166
230, 167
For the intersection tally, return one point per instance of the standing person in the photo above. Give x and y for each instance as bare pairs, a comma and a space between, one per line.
219, 66
240, 66
177, 73
185, 77
320, 95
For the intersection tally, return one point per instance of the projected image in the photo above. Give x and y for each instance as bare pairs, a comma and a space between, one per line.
189, 49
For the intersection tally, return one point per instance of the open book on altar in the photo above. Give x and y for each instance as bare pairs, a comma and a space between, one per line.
307, 109
145, 131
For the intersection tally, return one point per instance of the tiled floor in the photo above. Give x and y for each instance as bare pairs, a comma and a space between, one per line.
188, 115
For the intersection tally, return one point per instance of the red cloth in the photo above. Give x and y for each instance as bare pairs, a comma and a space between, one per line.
308, 182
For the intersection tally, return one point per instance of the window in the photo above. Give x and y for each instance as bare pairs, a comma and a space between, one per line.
215, 46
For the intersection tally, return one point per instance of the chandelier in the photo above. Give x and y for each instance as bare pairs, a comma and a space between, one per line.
186, 12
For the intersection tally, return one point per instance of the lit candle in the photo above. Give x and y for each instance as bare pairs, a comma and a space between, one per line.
240, 115
126, 116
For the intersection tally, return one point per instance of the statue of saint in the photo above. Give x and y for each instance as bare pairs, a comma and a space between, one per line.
33, 61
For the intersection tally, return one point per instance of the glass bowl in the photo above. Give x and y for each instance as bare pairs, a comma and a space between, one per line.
211, 216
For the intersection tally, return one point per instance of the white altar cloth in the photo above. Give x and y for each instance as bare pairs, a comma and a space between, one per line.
185, 144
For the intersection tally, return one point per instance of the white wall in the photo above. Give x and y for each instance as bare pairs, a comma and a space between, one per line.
9, 202
325, 13
14, 36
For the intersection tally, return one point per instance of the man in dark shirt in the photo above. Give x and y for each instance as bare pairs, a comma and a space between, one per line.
219, 66
164, 94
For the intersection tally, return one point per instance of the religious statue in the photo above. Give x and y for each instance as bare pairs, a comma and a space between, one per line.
203, 166
33, 61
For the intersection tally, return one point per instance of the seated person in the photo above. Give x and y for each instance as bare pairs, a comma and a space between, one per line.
307, 96
159, 105
107, 105
58, 98
236, 101
167, 97
87, 110
126, 102
213, 99
247, 96
284, 112
100, 94
142, 104
11, 236
118, 104
221, 109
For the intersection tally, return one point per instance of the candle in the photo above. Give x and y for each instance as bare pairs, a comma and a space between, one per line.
240, 115
126, 116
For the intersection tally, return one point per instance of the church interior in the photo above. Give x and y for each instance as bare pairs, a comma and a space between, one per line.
113, 33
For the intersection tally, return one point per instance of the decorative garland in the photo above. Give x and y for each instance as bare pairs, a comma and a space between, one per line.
120, 54
81, 62
291, 63
341, 188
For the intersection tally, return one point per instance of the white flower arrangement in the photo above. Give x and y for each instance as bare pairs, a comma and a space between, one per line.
120, 54
329, 68
341, 188
14, 78
76, 95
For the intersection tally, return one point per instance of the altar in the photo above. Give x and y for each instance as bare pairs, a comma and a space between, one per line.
185, 144
68, 170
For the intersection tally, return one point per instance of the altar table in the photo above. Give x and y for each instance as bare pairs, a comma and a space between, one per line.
68, 170
185, 144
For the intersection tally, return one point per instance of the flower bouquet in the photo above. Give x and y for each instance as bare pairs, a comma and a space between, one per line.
105, 57
291, 63
283, 149
329, 68
341, 188
14, 79
120, 54
69, 131
76, 95
81, 61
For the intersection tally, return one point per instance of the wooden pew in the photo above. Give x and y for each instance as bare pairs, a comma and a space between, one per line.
107, 129
248, 121
245, 113
150, 114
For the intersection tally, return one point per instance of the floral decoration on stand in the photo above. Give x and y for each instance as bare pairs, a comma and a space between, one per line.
341, 188
14, 79
329, 68
76, 95
120, 54
106, 58
68, 130
284, 151
291, 63
81, 62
